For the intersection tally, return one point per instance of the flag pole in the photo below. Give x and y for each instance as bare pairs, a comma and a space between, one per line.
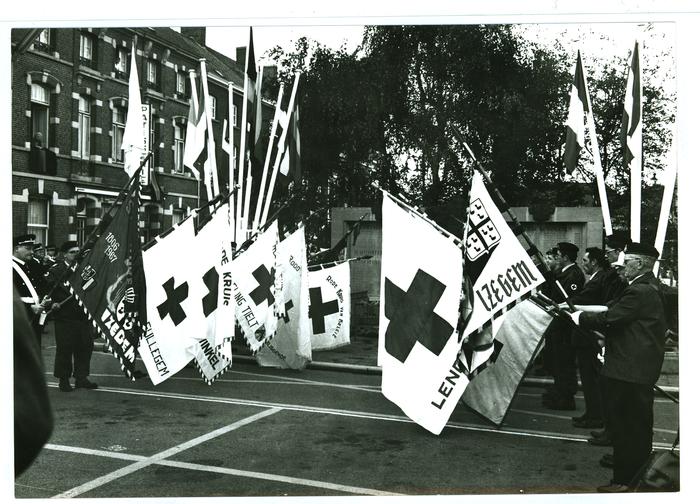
634, 93
211, 147
242, 152
231, 147
598, 166
268, 156
280, 147
665, 212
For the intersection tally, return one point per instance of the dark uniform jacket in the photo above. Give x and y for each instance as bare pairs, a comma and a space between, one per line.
70, 310
37, 272
605, 286
635, 326
572, 279
23, 290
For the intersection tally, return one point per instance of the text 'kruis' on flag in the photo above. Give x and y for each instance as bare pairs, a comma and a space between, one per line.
420, 287
109, 284
500, 270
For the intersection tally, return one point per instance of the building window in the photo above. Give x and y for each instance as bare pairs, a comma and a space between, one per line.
212, 106
86, 50
178, 216
152, 222
179, 145
84, 116
43, 41
118, 124
180, 87
152, 74
38, 219
81, 221
40, 113
121, 64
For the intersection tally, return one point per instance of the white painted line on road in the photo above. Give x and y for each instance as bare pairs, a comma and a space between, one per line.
107, 478
347, 413
223, 470
580, 397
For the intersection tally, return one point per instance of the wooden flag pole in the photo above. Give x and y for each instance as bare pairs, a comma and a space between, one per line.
598, 166
280, 148
211, 147
268, 155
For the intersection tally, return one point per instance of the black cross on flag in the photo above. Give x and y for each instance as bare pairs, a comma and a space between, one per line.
266, 280
411, 316
287, 306
211, 300
318, 310
174, 298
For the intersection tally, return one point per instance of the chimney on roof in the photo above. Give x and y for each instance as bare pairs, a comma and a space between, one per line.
240, 56
196, 33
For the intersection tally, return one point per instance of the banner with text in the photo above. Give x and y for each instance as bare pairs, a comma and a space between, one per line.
329, 307
420, 288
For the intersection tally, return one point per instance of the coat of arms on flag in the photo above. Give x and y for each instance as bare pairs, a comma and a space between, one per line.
500, 270
420, 288
291, 346
254, 273
329, 306
108, 282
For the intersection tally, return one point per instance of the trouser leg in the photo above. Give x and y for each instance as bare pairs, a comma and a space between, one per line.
635, 445
83, 352
589, 367
565, 372
65, 345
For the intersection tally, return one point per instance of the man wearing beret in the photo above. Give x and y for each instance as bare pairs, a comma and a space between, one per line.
635, 328
571, 279
74, 333
22, 252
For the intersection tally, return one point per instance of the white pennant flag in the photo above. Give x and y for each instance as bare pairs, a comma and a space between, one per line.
419, 305
329, 306
291, 346
254, 275
211, 362
175, 320
135, 139
500, 270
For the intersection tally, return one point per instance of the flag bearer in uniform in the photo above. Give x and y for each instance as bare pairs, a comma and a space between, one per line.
74, 333
22, 252
571, 278
635, 327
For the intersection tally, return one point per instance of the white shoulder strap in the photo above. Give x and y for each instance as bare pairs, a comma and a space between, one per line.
34, 299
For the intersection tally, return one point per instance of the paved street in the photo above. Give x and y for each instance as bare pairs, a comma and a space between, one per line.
269, 432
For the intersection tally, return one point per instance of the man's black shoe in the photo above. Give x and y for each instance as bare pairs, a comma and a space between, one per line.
599, 433
85, 383
579, 418
587, 423
64, 385
613, 488
600, 441
561, 404
607, 460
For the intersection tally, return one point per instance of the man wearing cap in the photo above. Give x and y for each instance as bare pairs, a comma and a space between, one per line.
37, 269
23, 249
74, 333
604, 285
635, 328
50, 257
571, 279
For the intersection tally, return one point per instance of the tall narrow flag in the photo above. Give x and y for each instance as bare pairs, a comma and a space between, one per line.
291, 346
135, 137
420, 287
329, 306
195, 137
500, 270
108, 282
290, 166
632, 139
578, 107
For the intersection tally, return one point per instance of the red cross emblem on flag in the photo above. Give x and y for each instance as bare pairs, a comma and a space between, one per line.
482, 235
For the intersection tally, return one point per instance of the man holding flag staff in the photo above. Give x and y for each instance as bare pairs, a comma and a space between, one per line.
635, 327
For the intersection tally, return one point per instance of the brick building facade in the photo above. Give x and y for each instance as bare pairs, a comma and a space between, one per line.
69, 102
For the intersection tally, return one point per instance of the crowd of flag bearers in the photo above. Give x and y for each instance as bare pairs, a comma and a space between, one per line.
461, 317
